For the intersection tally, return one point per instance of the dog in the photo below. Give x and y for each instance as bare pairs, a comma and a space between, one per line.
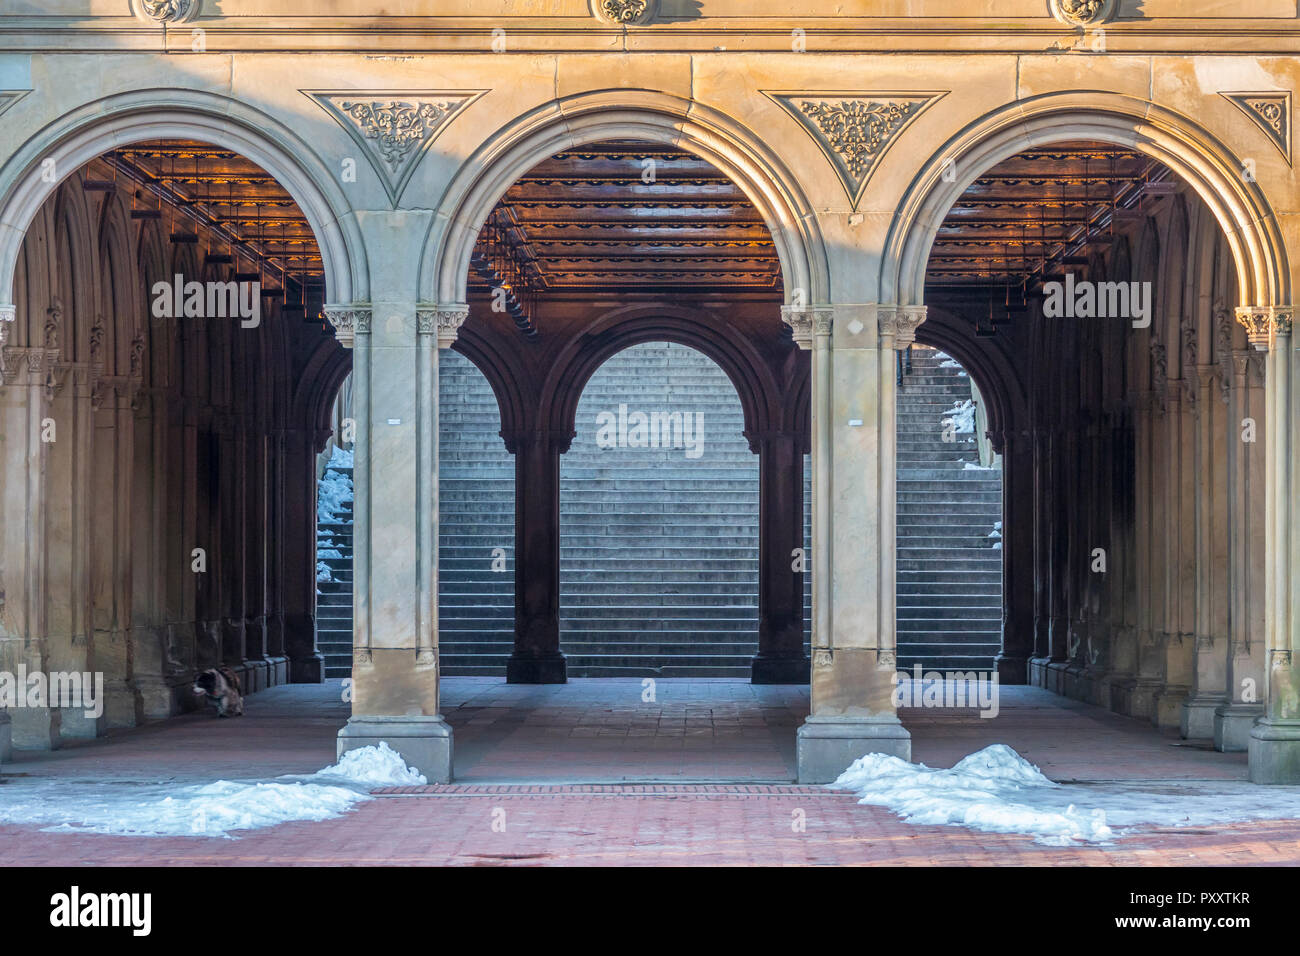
221, 685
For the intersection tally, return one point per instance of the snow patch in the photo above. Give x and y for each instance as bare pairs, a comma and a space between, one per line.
961, 416
212, 809
995, 790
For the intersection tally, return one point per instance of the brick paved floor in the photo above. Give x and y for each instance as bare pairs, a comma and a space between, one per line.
558, 738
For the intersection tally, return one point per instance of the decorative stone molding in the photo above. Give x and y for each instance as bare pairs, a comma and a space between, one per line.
394, 129
166, 12
348, 322
1262, 322
898, 324
853, 130
1082, 14
822, 657
625, 13
807, 321
444, 320
1271, 112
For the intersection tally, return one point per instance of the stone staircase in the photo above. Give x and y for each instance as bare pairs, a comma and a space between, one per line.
334, 596
476, 525
659, 552
949, 573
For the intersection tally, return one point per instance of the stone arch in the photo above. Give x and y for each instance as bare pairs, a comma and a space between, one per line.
624, 114
96, 128
624, 328
1194, 154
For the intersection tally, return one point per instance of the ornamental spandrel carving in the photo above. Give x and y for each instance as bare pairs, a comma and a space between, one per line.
625, 13
854, 130
1271, 112
1083, 13
394, 129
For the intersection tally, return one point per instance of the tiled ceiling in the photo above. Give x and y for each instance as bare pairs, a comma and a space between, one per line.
620, 215
218, 200
1038, 211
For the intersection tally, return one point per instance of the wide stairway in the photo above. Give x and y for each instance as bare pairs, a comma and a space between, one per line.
334, 568
949, 521
659, 546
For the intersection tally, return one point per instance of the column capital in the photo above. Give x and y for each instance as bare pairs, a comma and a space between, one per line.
1263, 322
807, 321
898, 324
444, 320
349, 321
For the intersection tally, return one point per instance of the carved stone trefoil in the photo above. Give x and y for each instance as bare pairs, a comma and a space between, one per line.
854, 130
625, 13
394, 129
1083, 14
1271, 112
166, 12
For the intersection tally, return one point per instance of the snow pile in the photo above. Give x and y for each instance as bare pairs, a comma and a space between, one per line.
378, 766
961, 416
996, 534
213, 809
332, 493
994, 790
972, 466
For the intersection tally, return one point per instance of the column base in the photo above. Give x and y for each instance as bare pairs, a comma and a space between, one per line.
1232, 724
827, 745
307, 670
423, 742
551, 669
1012, 670
277, 671
1275, 751
1196, 721
780, 670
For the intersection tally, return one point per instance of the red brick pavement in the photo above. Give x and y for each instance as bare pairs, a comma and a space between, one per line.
601, 731
689, 825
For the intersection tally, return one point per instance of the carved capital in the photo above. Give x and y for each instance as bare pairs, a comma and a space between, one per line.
349, 321
624, 13
1263, 322
444, 320
898, 324
807, 321
1083, 13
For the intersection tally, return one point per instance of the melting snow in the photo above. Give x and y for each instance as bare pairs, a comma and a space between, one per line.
995, 790
961, 416
212, 809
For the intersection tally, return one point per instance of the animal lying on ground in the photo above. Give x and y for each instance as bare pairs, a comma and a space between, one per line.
221, 685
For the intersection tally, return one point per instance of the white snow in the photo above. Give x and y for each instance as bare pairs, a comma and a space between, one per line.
212, 809
995, 790
961, 416
972, 466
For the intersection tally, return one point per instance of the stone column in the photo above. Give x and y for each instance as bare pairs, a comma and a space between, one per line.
395, 532
1209, 664
780, 658
1017, 556
1234, 718
536, 658
854, 498
1275, 738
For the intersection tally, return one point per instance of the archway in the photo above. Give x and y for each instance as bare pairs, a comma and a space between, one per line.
167, 358
1124, 453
